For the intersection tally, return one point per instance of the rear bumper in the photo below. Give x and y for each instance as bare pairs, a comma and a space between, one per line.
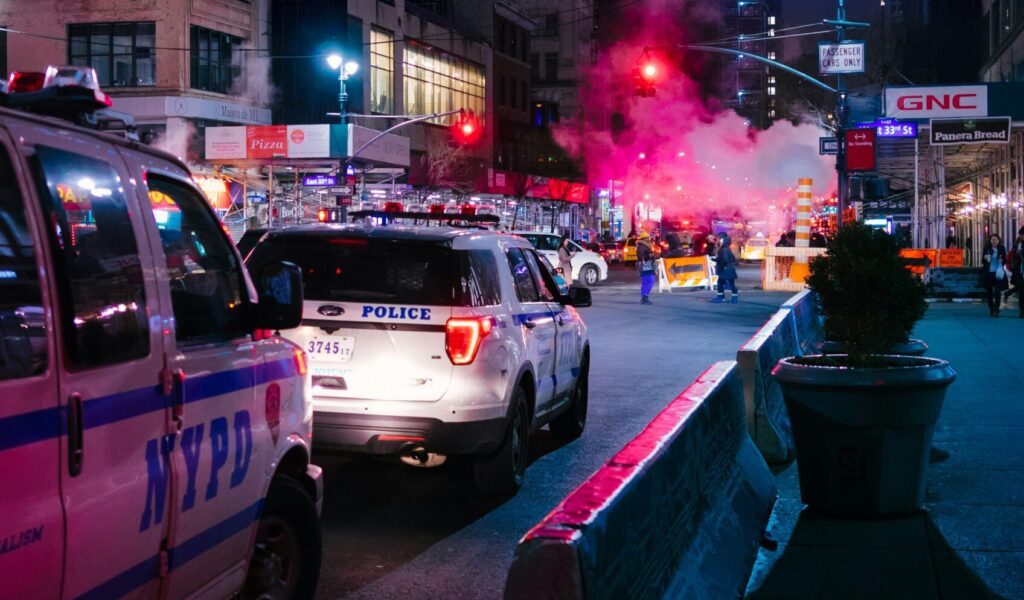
386, 435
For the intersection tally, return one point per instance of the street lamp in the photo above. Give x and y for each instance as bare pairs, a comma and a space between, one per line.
345, 69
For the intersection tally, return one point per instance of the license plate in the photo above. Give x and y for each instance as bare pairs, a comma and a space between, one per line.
333, 348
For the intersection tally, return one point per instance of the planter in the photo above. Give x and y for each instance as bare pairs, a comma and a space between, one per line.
909, 348
863, 436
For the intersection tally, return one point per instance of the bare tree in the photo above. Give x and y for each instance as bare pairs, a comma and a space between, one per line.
449, 168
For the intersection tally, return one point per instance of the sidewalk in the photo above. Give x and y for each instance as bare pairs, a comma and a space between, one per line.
969, 543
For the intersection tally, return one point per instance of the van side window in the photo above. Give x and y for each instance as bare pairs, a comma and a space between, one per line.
22, 318
477, 283
96, 259
203, 271
526, 285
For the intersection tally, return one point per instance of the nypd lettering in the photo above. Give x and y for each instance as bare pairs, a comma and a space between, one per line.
219, 437
21, 539
406, 313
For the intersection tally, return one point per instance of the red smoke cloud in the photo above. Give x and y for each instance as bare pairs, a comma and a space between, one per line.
680, 150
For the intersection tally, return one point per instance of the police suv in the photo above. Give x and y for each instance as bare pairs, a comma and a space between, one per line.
151, 446
426, 342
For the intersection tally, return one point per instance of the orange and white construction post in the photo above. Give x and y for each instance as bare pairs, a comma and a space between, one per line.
800, 270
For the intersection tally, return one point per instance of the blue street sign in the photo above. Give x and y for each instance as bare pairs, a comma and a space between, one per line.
319, 180
891, 128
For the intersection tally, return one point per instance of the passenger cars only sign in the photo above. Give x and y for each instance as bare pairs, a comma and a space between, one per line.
840, 58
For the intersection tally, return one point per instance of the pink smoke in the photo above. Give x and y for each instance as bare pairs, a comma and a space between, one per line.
683, 152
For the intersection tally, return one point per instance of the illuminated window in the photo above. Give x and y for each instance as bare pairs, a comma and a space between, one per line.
771, 79
771, 19
771, 55
771, 90
435, 81
382, 71
771, 114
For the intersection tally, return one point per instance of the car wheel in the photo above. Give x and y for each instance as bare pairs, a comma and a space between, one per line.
589, 275
502, 473
286, 560
570, 424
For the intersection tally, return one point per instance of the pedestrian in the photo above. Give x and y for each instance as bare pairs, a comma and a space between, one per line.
994, 273
725, 268
645, 265
711, 246
1015, 259
565, 255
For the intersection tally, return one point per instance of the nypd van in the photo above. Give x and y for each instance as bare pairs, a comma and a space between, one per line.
426, 342
154, 441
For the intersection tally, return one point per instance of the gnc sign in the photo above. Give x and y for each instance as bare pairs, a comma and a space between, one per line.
936, 102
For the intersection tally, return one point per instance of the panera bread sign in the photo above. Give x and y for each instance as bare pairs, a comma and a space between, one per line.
993, 130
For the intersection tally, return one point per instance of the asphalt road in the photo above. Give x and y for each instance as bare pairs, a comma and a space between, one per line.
392, 531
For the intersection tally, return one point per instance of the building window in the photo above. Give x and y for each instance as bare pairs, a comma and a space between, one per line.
122, 53
535, 66
513, 90
499, 35
3, 51
382, 71
771, 79
213, 65
435, 81
771, 20
525, 95
551, 24
771, 55
551, 67
513, 42
502, 91
771, 114
771, 90
524, 45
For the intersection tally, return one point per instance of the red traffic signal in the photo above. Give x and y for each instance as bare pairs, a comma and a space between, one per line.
321, 215
644, 78
466, 128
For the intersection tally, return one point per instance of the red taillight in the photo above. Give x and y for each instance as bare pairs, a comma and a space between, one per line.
437, 209
467, 209
393, 207
262, 334
300, 362
25, 81
463, 338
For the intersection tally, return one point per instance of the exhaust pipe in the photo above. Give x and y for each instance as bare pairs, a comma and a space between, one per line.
416, 455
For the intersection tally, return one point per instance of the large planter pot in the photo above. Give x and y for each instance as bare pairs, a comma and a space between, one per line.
909, 348
863, 435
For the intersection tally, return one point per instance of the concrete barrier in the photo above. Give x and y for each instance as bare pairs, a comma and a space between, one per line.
767, 419
677, 513
808, 321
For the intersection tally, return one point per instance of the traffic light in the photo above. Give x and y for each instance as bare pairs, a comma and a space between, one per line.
644, 78
322, 215
466, 129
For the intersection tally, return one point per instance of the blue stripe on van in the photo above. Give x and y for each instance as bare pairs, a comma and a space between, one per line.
522, 318
178, 556
37, 426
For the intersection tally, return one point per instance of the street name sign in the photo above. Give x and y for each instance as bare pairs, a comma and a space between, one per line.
991, 130
828, 145
841, 58
319, 180
860, 149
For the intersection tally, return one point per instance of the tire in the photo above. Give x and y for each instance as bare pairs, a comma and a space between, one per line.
502, 473
286, 559
570, 424
589, 275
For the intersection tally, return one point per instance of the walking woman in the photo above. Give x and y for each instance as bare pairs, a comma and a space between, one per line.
565, 255
994, 273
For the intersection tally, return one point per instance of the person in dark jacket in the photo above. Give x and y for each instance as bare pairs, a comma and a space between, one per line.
565, 255
994, 273
1015, 259
645, 265
725, 262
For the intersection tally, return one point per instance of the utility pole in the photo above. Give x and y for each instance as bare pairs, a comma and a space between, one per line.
840, 23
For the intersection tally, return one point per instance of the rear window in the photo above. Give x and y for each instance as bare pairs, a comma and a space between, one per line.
384, 271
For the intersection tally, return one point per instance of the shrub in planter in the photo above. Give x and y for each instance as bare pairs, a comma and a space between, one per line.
863, 421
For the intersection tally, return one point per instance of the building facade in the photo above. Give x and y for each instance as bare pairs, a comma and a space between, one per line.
750, 87
177, 66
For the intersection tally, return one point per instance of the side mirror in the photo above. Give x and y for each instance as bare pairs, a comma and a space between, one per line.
280, 289
578, 296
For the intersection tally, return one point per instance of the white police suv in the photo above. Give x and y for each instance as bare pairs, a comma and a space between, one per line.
426, 342
151, 446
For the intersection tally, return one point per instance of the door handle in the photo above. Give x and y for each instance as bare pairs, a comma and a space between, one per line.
76, 450
561, 321
529, 324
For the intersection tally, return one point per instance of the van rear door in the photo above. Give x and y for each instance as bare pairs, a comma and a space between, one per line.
374, 315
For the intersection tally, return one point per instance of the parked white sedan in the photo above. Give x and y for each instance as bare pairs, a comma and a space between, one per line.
588, 268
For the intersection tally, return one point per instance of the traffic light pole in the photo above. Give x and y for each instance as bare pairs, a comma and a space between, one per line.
399, 126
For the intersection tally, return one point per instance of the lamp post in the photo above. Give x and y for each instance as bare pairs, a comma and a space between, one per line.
345, 69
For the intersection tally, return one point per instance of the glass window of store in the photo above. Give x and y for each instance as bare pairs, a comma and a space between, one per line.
382, 71
436, 81
122, 53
